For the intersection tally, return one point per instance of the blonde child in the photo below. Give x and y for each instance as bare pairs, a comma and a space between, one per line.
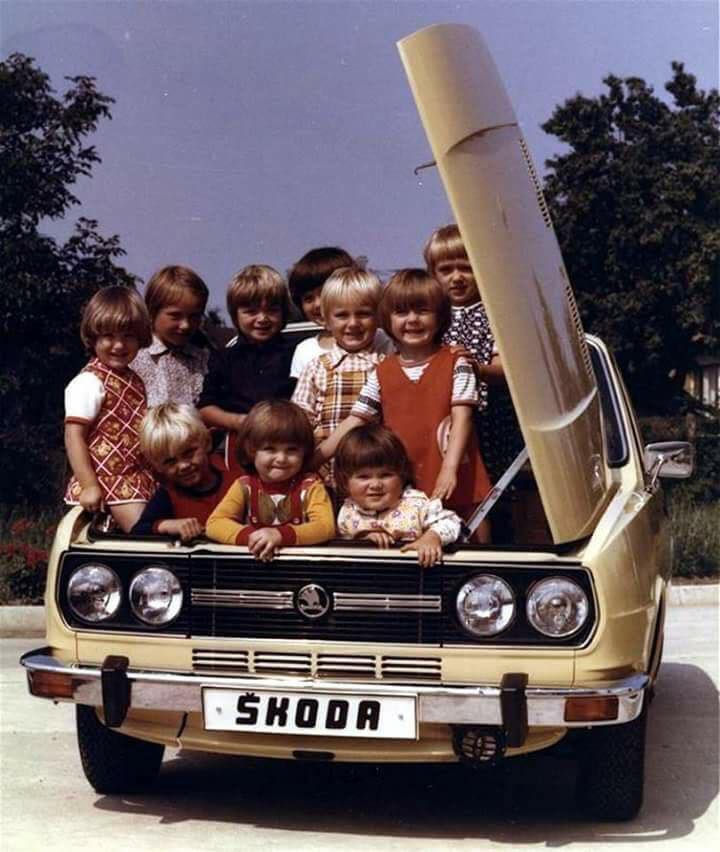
305, 283
173, 366
329, 385
104, 406
425, 394
373, 470
279, 503
176, 442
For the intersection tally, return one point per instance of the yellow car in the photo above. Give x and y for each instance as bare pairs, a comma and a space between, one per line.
349, 653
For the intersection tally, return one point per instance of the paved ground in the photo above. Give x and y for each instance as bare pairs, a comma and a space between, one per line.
215, 803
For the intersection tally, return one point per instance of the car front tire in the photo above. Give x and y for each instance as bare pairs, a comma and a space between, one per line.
112, 762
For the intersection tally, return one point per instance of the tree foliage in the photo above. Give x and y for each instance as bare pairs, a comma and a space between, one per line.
636, 205
44, 282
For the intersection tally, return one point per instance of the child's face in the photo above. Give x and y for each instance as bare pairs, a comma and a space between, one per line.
278, 461
116, 350
414, 328
310, 304
259, 323
189, 467
457, 279
375, 488
352, 325
176, 323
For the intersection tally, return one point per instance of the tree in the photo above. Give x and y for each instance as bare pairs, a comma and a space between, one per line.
636, 204
44, 282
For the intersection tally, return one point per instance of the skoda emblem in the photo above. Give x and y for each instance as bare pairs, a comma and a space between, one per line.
312, 601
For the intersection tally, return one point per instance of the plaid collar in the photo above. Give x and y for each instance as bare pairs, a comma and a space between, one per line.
337, 355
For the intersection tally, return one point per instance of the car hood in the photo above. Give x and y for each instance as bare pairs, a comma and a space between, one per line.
499, 207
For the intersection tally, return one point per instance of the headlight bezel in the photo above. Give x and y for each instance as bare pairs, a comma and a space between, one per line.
513, 601
532, 589
119, 591
144, 572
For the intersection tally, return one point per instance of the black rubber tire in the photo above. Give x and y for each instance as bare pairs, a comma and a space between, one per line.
112, 762
612, 770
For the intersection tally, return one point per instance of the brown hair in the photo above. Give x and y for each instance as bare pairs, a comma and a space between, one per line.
412, 289
445, 243
115, 309
257, 284
371, 445
313, 269
169, 284
274, 420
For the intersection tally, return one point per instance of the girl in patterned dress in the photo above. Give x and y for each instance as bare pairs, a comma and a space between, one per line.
104, 405
373, 470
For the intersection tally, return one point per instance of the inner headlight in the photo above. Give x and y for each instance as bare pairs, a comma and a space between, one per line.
485, 605
156, 595
557, 607
94, 592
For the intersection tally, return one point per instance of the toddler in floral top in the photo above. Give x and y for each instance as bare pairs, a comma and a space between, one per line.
373, 470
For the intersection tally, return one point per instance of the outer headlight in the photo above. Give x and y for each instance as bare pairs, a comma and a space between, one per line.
485, 605
557, 607
156, 595
94, 592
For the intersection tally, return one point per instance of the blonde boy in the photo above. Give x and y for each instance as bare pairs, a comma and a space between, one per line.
330, 384
176, 442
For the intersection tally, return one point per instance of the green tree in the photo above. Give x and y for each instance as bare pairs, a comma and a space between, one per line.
44, 282
636, 205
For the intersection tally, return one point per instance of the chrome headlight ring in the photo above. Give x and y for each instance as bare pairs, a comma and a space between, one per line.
557, 607
485, 606
94, 592
156, 596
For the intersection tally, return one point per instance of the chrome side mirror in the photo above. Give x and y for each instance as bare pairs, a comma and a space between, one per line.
670, 460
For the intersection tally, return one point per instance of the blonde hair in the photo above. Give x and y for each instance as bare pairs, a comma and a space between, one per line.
445, 243
274, 420
112, 310
350, 284
415, 289
257, 284
167, 428
168, 286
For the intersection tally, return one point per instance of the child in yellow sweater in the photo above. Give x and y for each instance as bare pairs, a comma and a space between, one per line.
279, 503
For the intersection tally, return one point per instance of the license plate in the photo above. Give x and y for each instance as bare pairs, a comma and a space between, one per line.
261, 711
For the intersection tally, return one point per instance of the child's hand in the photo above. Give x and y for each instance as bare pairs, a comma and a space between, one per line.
381, 538
444, 484
264, 543
91, 498
185, 528
428, 547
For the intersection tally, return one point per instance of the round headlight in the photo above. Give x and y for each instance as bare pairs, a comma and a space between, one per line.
485, 605
94, 592
156, 595
557, 607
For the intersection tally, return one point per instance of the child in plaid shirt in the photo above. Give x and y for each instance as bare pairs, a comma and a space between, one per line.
330, 384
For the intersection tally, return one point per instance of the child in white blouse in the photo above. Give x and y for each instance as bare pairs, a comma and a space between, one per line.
373, 470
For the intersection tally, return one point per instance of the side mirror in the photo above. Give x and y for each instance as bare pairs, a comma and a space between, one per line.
670, 460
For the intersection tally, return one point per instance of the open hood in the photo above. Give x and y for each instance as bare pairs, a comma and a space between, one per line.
499, 207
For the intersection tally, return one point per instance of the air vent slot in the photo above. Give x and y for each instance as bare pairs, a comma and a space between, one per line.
539, 195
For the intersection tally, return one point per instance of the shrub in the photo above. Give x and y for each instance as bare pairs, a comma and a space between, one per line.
25, 539
696, 534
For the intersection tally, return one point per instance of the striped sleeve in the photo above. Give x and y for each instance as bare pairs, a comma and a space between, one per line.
368, 405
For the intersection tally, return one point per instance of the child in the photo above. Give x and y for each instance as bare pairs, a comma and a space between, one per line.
279, 503
176, 443
306, 282
425, 394
495, 422
173, 367
104, 405
257, 366
373, 469
330, 384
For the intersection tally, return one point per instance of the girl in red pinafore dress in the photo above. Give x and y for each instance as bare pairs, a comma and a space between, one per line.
425, 394
104, 405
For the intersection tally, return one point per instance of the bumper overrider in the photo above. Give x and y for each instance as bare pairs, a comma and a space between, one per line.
511, 708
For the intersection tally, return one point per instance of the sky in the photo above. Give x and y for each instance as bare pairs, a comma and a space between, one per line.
249, 131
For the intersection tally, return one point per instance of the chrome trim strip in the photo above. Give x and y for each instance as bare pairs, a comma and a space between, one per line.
386, 603
477, 704
242, 598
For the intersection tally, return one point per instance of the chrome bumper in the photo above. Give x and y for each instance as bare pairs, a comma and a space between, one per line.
452, 705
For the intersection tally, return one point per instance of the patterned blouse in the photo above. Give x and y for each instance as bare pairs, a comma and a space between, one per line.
171, 375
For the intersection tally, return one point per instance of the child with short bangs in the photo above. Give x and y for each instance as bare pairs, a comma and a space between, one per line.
425, 394
373, 470
104, 406
173, 367
329, 385
176, 442
256, 366
279, 503
305, 283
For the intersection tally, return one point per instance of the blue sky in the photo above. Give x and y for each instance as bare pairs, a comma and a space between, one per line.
248, 131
